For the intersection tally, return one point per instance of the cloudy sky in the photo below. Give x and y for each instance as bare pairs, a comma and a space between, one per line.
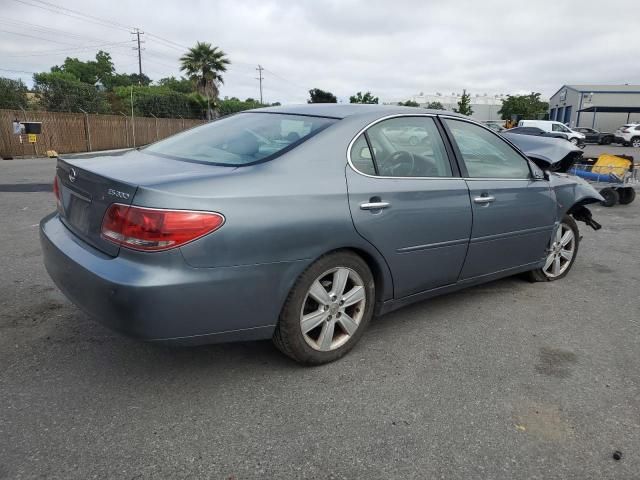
394, 48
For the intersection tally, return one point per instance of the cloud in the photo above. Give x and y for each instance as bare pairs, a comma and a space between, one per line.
394, 49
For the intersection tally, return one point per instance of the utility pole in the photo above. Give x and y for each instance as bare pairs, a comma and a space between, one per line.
137, 33
259, 78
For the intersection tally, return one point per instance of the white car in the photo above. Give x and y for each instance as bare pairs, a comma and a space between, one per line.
551, 126
628, 134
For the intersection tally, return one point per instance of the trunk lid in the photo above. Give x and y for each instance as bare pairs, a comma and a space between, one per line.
85, 197
102, 179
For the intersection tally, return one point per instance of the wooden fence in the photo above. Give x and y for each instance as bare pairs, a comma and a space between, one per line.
77, 132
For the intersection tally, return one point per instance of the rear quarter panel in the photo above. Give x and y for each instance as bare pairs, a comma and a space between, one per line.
294, 207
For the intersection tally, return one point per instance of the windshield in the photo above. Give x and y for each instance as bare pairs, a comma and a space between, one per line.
241, 139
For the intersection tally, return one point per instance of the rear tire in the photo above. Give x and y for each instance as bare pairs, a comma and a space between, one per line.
562, 252
610, 196
627, 195
327, 310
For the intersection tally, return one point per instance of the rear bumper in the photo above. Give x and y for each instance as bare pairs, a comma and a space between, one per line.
158, 296
618, 139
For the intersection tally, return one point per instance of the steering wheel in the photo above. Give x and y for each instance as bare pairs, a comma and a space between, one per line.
400, 164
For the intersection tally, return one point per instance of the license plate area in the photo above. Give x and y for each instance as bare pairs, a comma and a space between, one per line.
77, 212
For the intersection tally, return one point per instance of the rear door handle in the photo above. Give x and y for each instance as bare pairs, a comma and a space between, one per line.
374, 205
484, 200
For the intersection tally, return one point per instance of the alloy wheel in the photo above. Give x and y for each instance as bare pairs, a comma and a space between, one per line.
332, 309
635, 142
560, 252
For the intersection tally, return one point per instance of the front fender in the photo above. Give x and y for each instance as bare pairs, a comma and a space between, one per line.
572, 194
571, 190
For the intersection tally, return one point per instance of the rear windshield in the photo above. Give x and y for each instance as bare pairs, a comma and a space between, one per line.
241, 139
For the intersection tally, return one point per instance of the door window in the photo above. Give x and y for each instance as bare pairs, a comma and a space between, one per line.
485, 154
404, 147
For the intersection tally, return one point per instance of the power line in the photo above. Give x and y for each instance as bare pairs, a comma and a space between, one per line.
67, 51
286, 80
73, 14
15, 71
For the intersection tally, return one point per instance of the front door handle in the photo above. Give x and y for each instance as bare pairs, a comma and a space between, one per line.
374, 205
484, 200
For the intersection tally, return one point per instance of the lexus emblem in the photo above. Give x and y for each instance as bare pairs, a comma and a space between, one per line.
73, 175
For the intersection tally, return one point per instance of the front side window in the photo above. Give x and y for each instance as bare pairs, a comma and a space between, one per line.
406, 147
558, 127
241, 139
486, 155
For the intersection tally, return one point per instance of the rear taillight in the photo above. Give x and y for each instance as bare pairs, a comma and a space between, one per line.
151, 229
624, 130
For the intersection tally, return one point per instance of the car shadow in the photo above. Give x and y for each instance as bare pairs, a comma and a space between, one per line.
100, 351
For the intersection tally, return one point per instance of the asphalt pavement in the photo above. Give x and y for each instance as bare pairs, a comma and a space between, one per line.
509, 380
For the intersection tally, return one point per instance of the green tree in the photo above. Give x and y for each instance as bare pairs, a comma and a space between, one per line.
320, 96
233, 105
409, 103
182, 85
204, 66
160, 101
13, 93
62, 91
360, 98
464, 104
91, 71
435, 106
525, 107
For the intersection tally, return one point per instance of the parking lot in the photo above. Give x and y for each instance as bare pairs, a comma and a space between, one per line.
505, 380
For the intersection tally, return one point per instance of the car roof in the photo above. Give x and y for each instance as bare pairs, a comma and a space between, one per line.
336, 110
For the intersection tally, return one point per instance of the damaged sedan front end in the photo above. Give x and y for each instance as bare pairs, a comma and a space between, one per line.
555, 157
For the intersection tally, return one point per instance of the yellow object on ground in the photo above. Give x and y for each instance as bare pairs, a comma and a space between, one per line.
52, 153
611, 164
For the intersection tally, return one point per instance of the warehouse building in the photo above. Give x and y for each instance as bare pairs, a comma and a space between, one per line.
603, 107
485, 107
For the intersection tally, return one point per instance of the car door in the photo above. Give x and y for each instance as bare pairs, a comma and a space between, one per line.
513, 212
410, 202
590, 134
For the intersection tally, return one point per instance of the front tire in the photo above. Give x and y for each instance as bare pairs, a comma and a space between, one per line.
327, 310
574, 141
635, 142
561, 254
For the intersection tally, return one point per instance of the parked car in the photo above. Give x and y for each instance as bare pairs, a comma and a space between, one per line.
215, 234
409, 136
628, 134
535, 131
592, 135
551, 126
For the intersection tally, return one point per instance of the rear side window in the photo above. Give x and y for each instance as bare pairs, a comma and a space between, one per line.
402, 147
241, 139
361, 156
485, 154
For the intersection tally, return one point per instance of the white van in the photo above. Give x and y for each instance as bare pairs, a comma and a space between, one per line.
551, 126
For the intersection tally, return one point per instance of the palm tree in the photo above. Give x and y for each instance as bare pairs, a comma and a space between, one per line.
204, 65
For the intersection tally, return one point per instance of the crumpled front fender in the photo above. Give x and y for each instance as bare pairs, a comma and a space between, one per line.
572, 194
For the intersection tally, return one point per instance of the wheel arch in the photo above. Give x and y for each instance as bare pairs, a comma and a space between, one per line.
376, 263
